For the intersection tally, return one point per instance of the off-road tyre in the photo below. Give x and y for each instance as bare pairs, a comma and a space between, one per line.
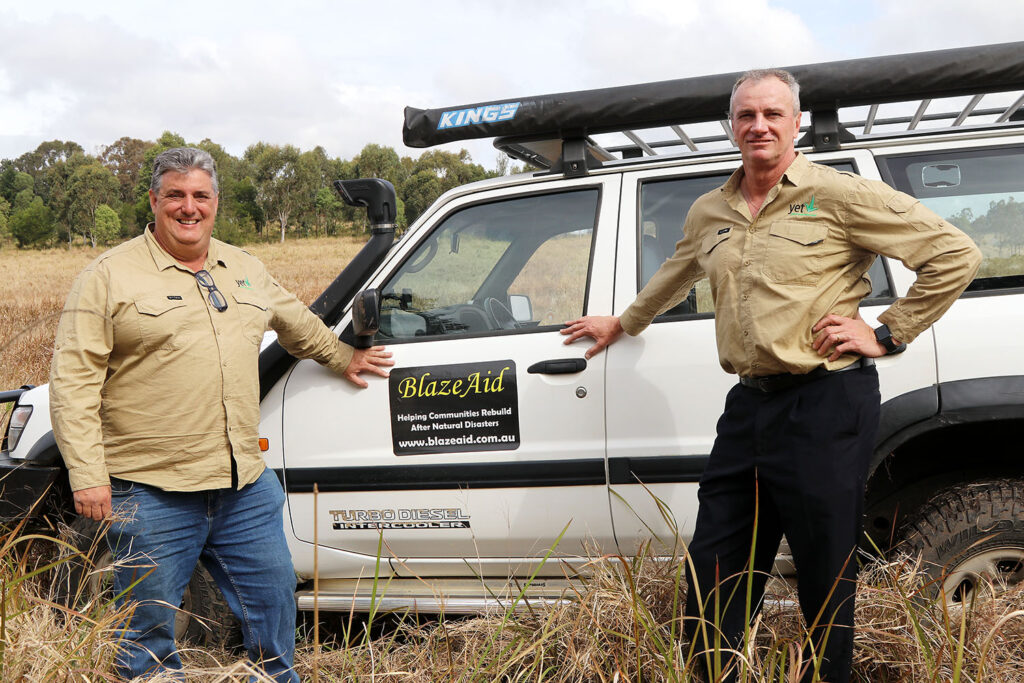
205, 619
970, 536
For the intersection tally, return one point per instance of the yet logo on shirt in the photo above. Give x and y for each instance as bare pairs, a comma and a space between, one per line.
808, 209
244, 284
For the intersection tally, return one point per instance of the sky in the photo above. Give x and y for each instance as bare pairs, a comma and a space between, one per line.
338, 74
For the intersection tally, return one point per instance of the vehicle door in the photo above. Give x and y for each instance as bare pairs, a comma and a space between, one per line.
487, 441
978, 187
666, 388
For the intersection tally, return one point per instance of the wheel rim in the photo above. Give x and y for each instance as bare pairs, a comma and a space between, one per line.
999, 567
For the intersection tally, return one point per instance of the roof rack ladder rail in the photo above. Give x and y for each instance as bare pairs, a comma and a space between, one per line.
1005, 116
639, 143
967, 110
918, 114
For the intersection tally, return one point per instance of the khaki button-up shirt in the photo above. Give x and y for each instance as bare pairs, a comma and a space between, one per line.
805, 255
151, 383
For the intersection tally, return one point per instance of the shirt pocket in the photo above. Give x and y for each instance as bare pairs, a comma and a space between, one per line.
253, 314
794, 252
163, 322
714, 255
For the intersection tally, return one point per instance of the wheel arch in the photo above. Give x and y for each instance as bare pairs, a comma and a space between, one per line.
937, 437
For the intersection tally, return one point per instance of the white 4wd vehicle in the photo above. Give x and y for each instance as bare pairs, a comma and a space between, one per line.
493, 444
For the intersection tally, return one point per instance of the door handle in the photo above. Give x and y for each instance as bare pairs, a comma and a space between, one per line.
558, 366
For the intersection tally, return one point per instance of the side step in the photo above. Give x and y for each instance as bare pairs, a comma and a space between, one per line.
438, 596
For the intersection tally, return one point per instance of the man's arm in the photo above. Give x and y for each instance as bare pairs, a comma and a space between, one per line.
81, 349
669, 286
898, 226
304, 335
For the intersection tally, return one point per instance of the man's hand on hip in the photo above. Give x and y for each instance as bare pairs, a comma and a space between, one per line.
837, 335
603, 329
93, 503
373, 359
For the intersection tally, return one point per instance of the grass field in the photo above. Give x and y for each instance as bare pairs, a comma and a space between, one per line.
623, 626
35, 284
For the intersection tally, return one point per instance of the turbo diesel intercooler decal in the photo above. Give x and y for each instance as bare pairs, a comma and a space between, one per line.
400, 518
454, 408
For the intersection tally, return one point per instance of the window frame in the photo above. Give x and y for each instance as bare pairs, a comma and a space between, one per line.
974, 289
439, 221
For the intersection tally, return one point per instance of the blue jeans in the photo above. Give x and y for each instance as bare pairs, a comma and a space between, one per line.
240, 537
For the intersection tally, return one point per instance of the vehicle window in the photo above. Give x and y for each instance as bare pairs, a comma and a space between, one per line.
663, 208
509, 265
981, 192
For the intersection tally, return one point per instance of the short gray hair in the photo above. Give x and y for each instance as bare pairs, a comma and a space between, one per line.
182, 160
761, 74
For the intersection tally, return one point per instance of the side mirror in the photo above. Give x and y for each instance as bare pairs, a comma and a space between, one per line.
522, 309
366, 317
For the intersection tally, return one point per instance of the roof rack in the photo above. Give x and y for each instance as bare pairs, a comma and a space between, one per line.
556, 131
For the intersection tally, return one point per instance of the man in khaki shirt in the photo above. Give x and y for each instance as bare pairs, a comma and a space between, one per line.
786, 245
154, 400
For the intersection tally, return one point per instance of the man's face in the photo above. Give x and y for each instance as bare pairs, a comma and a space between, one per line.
763, 123
184, 208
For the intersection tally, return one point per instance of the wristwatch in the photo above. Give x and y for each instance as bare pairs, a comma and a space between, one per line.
884, 337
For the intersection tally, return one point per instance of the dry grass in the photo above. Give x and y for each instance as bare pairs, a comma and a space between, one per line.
623, 626
36, 283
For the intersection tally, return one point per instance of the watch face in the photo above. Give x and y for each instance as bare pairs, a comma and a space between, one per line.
884, 337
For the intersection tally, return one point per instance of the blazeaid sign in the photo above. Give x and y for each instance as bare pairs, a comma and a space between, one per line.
457, 408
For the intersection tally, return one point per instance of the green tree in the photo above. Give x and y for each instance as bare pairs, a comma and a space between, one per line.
38, 163
284, 181
5, 212
32, 225
18, 190
107, 228
376, 161
329, 211
421, 190
125, 158
22, 200
434, 173
91, 185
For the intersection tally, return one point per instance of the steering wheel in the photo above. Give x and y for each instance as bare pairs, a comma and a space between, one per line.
500, 314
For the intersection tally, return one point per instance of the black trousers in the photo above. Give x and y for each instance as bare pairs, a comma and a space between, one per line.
796, 460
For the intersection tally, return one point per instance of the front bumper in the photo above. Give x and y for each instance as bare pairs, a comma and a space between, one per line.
23, 487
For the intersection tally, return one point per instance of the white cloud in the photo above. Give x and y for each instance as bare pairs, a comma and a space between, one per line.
339, 74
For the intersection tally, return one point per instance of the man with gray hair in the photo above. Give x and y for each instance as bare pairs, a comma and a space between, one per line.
154, 399
786, 245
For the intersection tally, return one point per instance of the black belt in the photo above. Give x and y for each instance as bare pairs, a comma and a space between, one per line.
772, 383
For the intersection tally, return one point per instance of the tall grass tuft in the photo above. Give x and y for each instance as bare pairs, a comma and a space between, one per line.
42, 639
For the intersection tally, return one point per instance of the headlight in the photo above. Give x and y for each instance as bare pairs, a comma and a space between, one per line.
19, 418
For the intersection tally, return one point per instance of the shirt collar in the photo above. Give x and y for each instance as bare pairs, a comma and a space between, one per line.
798, 170
795, 174
163, 260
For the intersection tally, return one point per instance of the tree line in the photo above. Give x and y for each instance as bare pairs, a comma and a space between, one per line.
58, 194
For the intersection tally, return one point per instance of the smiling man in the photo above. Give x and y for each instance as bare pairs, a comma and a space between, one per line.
786, 245
154, 399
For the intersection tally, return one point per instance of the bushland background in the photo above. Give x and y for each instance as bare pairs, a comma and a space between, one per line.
59, 194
